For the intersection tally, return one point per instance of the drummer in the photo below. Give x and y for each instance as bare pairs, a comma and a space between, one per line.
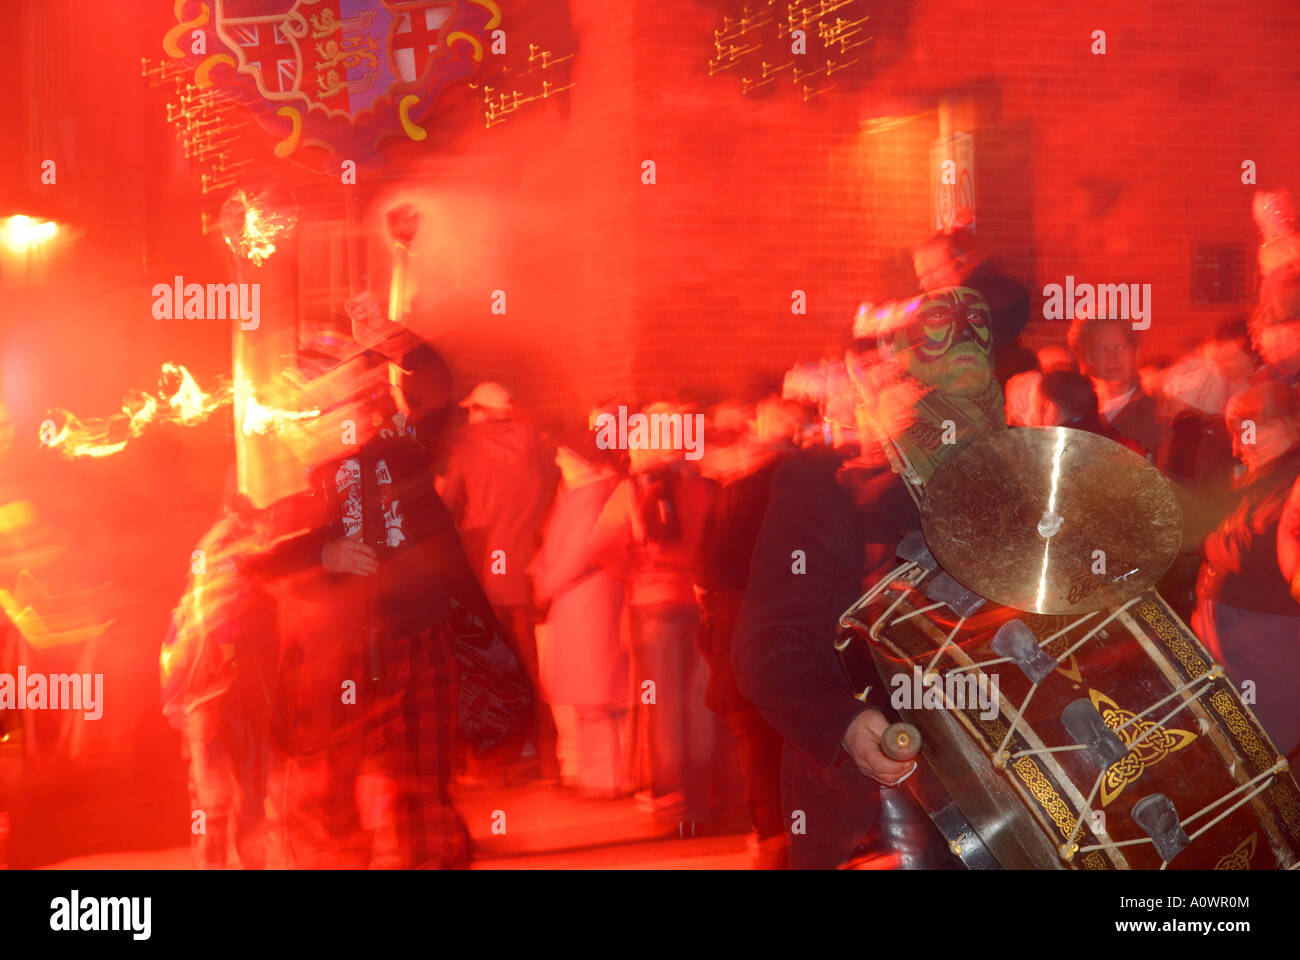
925, 385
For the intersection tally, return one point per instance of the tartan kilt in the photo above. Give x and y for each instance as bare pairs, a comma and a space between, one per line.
373, 790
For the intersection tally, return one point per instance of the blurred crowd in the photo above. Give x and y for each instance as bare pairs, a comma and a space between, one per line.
610, 582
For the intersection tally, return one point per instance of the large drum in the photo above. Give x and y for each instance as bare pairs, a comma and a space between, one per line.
1106, 740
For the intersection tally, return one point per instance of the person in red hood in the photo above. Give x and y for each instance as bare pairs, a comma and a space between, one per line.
498, 484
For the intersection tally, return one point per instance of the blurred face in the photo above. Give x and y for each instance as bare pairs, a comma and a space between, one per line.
935, 268
641, 461
1233, 360
1279, 344
654, 457
776, 422
1152, 379
415, 396
1257, 437
1047, 414
573, 467
1109, 354
1055, 357
947, 345
477, 414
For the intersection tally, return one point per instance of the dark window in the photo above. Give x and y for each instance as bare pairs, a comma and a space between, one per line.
1221, 272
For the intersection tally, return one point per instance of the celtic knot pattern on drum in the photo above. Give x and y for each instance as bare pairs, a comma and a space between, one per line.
1173, 638
1240, 858
1093, 861
1242, 731
1284, 798
1250, 744
1045, 794
994, 730
1157, 743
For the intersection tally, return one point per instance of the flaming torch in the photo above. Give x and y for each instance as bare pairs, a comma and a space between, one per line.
255, 233
403, 220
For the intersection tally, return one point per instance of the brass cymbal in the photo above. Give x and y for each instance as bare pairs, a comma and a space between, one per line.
1051, 520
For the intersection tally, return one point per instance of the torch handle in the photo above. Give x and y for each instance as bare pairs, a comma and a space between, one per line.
350, 233
397, 288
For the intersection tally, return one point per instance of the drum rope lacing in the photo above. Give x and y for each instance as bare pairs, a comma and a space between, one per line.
1042, 643
1205, 681
998, 759
875, 627
946, 644
1067, 850
1269, 773
1275, 769
1205, 678
1208, 678
881, 585
915, 613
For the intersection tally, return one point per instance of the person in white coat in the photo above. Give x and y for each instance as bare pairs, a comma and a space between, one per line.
583, 665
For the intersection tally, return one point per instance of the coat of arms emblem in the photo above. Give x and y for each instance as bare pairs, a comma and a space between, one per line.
339, 74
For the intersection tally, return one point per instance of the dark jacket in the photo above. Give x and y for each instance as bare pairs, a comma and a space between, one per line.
1197, 452
1139, 421
845, 530
722, 570
424, 587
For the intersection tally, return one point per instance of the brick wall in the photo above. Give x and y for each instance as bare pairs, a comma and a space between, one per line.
1106, 167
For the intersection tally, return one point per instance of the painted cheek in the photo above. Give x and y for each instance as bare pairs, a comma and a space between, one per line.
934, 348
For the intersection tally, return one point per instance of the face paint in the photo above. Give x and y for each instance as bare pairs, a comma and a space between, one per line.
945, 319
948, 342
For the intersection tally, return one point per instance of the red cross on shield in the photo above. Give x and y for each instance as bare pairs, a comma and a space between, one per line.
415, 39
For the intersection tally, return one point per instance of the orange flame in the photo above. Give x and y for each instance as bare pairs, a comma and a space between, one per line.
251, 229
260, 418
179, 400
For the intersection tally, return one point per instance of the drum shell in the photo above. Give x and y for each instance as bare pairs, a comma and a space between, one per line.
1025, 811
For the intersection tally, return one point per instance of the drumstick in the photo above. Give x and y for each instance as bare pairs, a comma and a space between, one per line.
900, 742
